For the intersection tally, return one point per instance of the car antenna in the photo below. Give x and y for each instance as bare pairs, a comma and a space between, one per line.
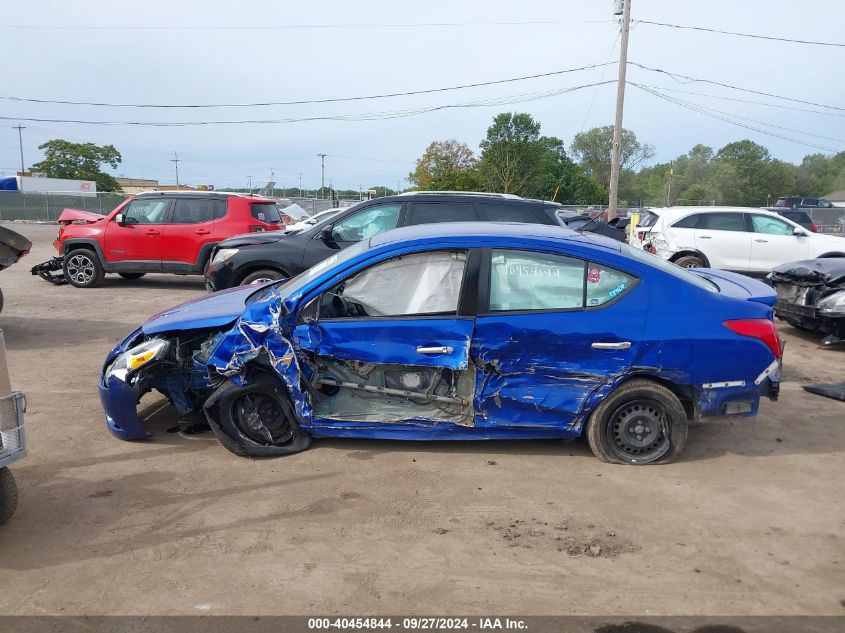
586, 224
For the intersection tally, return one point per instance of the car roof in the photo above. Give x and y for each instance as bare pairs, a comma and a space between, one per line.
184, 192
670, 212
502, 232
474, 196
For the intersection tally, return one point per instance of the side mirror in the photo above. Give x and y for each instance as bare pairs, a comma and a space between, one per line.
326, 235
799, 232
120, 219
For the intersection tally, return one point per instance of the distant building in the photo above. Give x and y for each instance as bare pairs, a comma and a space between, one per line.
137, 185
41, 184
837, 198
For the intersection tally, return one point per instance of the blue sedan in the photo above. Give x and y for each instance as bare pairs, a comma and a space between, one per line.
461, 331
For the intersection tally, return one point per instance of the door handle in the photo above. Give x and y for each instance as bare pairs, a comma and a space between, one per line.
202, 232
443, 349
705, 237
153, 233
619, 345
763, 241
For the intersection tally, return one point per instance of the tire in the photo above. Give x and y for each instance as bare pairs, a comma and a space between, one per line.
131, 276
1, 301
256, 420
690, 261
82, 268
613, 426
8, 495
260, 276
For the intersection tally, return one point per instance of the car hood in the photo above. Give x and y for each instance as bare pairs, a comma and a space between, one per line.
208, 311
77, 215
247, 239
825, 270
738, 286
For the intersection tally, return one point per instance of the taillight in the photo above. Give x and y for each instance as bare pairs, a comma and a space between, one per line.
761, 329
641, 235
814, 228
650, 248
256, 228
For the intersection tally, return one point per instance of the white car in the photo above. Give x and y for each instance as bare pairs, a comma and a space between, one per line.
740, 239
308, 222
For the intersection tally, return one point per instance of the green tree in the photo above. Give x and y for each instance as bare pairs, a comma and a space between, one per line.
511, 154
562, 180
80, 161
446, 166
594, 147
747, 175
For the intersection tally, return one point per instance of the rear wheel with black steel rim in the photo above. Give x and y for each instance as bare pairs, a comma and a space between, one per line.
642, 422
257, 419
82, 268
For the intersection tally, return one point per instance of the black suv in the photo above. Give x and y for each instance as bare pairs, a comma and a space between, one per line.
798, 202
259, 257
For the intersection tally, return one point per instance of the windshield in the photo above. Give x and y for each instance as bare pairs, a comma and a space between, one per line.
647, 219
669, 267
291, 286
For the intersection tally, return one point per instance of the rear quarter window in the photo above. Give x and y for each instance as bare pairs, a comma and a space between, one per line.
265, 212
513, 213
689, 222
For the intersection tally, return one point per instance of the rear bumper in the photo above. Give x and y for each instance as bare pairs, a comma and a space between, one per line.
219, 276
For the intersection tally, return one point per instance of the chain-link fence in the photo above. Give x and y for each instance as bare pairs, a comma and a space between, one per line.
21, 205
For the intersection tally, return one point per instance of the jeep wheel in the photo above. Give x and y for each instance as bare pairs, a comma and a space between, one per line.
131, 276
82, 268
262, 276
642, 422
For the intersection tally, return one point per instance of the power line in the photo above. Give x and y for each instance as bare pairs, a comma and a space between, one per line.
751, 35
726, 119
274, 27
370, 116
737, 116
678, 77
762, 103
310, 101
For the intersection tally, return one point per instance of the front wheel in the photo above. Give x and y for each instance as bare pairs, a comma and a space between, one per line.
256, 420
642, 422
8, 495
262, 276
82, 268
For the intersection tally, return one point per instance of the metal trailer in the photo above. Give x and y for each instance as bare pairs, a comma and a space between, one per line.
12, 448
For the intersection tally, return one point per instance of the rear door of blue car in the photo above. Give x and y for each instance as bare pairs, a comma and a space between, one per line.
551, 330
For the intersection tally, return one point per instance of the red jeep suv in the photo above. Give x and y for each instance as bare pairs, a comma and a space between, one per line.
156, 232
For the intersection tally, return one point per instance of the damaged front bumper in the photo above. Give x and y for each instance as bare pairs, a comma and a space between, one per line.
52, 270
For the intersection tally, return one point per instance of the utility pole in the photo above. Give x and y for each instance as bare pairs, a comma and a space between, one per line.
300, 184
19, 128
322, 174
620, 100
669, 190
175, 161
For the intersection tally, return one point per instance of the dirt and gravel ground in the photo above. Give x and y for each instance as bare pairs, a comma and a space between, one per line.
749, 522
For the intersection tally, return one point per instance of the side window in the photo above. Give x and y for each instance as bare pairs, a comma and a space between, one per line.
825, 204
219, 209
688, 222
772, 226
605, 284
150, 211
265, 212
192, 211
510, 213
410, 285
367, 223
524, 280
722, 222
432, 212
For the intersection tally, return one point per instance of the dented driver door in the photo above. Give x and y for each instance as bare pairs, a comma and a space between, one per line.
388, 344
554, 330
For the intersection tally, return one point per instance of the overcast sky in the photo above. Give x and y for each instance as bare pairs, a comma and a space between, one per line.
185, 64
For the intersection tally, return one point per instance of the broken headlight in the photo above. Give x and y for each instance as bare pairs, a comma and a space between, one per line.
833, 304
223, 254
138, 357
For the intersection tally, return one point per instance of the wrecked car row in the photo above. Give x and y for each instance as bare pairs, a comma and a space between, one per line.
461, 331
811, 296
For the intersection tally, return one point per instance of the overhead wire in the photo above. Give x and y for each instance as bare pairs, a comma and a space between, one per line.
774, 38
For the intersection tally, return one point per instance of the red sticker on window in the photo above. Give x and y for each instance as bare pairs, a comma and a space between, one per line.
594, 275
